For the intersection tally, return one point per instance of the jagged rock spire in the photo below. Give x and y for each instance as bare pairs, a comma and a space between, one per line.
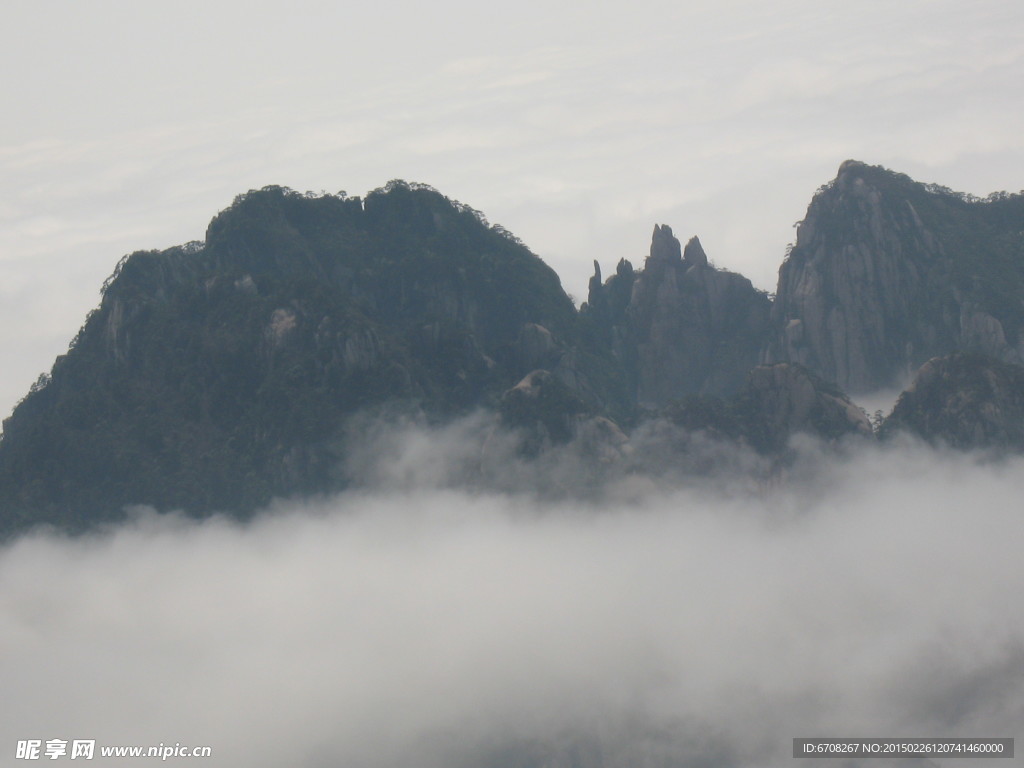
694, 254
664, 245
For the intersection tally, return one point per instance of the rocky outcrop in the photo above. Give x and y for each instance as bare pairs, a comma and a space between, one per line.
965, 401
687, 327
783, 399
548, 413
887, 273
777, 402
541, 401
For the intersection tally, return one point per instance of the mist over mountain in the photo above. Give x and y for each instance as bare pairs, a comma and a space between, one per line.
678, 618
352, 482
218, 376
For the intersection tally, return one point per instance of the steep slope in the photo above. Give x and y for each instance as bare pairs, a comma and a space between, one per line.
888, 273
219, 375
687, 327
965, 401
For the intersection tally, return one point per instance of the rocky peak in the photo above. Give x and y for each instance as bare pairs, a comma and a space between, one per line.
217, 377
678, 326
887, 273
695, 328
665, 247
693, 254
850, 166
856, 171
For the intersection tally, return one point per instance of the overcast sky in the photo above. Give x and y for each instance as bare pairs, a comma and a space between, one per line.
577, 126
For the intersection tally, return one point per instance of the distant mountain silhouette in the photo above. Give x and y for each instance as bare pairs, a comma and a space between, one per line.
219, 375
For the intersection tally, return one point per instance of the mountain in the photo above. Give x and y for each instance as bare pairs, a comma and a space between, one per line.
679, 326
220, 374
888, 273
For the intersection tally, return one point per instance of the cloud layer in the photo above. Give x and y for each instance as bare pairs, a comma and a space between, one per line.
657, 623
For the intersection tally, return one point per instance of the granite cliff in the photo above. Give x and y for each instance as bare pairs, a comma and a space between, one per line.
686, 327
887, 273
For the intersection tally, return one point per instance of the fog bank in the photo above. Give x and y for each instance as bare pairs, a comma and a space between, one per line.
413, 622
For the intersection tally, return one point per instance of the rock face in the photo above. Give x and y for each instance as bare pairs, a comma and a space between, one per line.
686, 327
542, 404
965, 401
887, 273
548, 413
786, 399
777, 402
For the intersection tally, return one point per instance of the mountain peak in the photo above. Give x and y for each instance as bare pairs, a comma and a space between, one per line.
694, 254
665, 247
888, 272
851, 166
218, 377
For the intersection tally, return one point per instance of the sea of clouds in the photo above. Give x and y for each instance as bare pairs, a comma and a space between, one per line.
536, 615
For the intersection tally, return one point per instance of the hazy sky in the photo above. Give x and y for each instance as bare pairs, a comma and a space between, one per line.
577, 126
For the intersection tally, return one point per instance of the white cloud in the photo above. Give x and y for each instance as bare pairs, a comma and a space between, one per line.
429, 625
